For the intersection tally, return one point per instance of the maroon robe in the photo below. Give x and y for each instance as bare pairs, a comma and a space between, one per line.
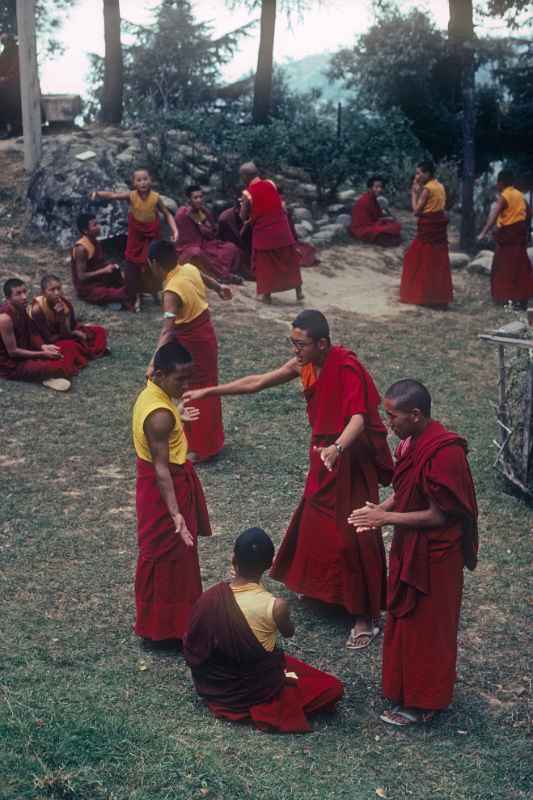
426, 570
55, 327
27, 338
308, 253
320, 555
426, 275
198, 244
241, 680
101, 289
368, 224
511, 277
232, 229
167, 580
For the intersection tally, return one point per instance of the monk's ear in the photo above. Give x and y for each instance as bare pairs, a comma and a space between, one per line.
416, 415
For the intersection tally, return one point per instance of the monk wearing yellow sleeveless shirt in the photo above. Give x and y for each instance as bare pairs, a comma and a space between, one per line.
511, 277
171, 508
187, 319
143, 228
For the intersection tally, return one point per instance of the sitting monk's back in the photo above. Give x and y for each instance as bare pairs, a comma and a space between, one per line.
257, 606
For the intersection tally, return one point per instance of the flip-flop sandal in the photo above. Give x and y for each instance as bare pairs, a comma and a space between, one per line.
351, 642
406, 718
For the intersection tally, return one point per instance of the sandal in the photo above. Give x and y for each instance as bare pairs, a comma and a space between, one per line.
352, 641
400, 717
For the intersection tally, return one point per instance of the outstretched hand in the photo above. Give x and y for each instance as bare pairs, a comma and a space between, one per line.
225, 293
192, 395
367, 517
188, 413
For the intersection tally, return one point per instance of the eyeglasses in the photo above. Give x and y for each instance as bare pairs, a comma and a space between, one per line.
298, 345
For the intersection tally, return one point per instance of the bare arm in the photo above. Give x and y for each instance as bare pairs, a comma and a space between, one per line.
223, 291
7, 334
110, 195
171, 222
353, 429
493, 216
246, 206
250, 384
419, 200
158, 426
172, 304
282, 618
80, 266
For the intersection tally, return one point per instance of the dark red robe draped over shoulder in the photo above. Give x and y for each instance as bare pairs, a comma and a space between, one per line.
241, 680
426, 275
320, 555
167, 581
369, 226
198, 244
275, 256
511, 276
27, 337
55, 327
426, 570
205, 435
101, 289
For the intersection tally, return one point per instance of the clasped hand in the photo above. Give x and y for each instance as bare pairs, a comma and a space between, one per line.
367, 517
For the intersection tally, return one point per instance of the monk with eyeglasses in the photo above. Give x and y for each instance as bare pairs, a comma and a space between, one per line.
348, 458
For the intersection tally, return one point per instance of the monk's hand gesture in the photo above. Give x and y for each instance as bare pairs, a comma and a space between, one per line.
368, 517
51, 351
329, 456
188, 413
192, 395
183, 531
224, 292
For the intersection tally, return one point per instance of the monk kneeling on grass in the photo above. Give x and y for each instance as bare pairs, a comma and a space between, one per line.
434, 513
231, 648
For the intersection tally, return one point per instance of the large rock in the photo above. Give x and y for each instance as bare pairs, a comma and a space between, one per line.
459, 260
301, 232
327, 234
344, 219
307, 225
347, 196
300, 213
482, 263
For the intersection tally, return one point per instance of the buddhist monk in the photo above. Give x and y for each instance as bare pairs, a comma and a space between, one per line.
232, 229
199, 243
426, 275
369, 223
187, 319
434, 513
94, 278
511, 276
232, 649
144, 227
23, 354
171, 508
55, 319
348, 458
275, 256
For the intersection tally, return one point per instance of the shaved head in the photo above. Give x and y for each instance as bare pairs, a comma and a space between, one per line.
408, 395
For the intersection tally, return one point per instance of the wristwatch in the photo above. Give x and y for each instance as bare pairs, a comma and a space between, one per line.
338, 447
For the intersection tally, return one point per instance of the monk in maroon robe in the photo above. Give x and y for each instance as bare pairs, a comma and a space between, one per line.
348, 459
369, 224
236, 663
55, 319
24, 356
511, 276
198, 241
95, 280
434, 511
275, 256
232, 229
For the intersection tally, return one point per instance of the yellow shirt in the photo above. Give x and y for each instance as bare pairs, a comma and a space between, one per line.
151, 399
144, 210
515, 210
186, 282
257, 605
437, 197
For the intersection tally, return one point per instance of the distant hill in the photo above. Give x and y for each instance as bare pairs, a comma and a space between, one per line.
310, 73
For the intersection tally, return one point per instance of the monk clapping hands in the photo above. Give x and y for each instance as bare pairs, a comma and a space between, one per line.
367, 517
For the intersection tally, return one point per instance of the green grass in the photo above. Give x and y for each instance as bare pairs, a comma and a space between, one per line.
87, 715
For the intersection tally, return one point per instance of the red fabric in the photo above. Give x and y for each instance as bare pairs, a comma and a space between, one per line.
140, 236
308, 254
167, 580
96, 344
511, 276
231, 229
27, 338
241, 680
55, 327
102, 289
206, 435
368, 223
426, 275
197, 244
277, 270
320, 555
425, 570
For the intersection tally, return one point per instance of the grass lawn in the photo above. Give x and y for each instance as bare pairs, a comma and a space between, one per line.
86, 714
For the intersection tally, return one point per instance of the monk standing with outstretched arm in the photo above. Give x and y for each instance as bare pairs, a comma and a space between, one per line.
348, 458
434, 513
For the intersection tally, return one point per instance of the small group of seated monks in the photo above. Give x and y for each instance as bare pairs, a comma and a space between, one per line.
42, 340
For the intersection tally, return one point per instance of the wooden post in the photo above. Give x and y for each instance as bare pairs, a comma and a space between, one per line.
29, 83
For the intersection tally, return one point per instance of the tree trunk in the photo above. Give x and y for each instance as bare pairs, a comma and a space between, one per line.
113, 74
29, 84
461, 33
265, 61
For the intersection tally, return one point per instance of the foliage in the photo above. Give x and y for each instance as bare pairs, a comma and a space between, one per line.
516, 74
510, 10
48, 20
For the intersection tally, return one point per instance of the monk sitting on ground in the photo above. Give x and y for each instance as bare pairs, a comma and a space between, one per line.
426, 275
56, 321
236, 663
144, 227
511, 277
434, 513
95, 280
369, 224
232, 229
23, 354
198, 242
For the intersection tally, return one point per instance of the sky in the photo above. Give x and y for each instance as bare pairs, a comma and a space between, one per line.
327, 27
